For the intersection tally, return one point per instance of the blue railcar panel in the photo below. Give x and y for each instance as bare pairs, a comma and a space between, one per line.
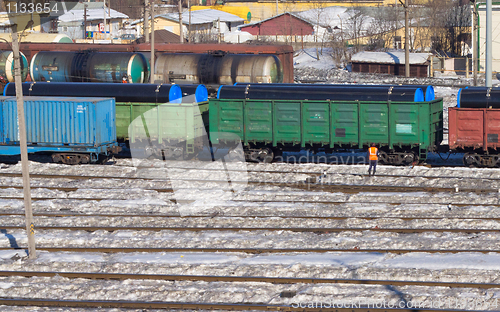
59, 123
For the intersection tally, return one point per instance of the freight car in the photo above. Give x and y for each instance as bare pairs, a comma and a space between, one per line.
7, 66
218, 69
174, 116
74, 130
89, 67
474, 126
271, 122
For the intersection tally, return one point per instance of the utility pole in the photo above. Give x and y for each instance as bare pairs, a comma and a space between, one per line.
189, 25
276, 7
475, 54
180, 22
146, 22
104, 11
218, 30
489, 50
152, 78
407, 41
84, 21
30, 227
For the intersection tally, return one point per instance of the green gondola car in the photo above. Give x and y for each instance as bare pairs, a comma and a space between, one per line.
404, 131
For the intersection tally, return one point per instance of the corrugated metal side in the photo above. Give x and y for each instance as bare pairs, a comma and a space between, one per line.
61, 121
475, 128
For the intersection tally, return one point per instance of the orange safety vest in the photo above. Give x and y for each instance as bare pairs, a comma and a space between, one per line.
373, 153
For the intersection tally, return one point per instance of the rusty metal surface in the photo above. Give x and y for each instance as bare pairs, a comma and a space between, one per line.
246, 250
474, 128
257, 279
197, 306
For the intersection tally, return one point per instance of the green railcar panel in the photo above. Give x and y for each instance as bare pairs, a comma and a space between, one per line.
315, 123
287, 122
344, 124
337, 124
162, 123
373, 123
258, 121
228, 120
405, 121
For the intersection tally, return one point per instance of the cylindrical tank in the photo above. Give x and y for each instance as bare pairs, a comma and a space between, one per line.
7, 66
192, 68
478, 97
194, 93
52, 66
122, 92
319, 92
113, 66
428, 90
89, 67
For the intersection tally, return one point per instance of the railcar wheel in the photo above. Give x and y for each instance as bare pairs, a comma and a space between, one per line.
266, 156
383, 157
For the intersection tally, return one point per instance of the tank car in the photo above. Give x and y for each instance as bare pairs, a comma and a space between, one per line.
215, 69
89, 67
7, 66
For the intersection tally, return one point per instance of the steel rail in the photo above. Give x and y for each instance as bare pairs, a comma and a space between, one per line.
246, 250
344, 188
313, 173
200, 306
259, 279
250, 229
287, 201
217, 215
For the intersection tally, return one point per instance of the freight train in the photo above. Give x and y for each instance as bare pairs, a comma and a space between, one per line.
270, 119
178, 68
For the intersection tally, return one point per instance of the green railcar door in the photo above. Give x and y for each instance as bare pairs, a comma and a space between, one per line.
404, 124
344, 124
374, 123
286, 121
258, 121
226, 120
315, 123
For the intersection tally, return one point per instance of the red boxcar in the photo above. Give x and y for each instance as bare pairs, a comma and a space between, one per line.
475, 131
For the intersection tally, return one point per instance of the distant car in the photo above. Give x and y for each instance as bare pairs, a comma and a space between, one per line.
128, 37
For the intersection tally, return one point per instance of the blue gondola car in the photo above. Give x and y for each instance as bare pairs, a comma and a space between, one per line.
74, 130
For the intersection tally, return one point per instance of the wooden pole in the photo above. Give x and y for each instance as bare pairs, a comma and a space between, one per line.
152, 78
146, 22
180, 22
407, 41
30, 227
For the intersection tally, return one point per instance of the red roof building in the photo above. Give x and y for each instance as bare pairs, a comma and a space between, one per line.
285, 24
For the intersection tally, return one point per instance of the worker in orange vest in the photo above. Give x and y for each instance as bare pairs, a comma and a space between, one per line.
372, 156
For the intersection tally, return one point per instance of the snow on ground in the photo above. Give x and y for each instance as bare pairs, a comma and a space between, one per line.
137, 196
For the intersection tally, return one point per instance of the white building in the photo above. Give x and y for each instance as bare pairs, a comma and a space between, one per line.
71, 23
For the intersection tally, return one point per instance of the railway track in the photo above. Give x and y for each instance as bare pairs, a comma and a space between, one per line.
285, 201
100, 304
332, 188
217, 215
317, 230
241, 279
114, 250
311, 173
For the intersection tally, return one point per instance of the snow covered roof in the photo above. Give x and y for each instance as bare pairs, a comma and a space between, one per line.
204, 17
92, 14
389, 57
198, 17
